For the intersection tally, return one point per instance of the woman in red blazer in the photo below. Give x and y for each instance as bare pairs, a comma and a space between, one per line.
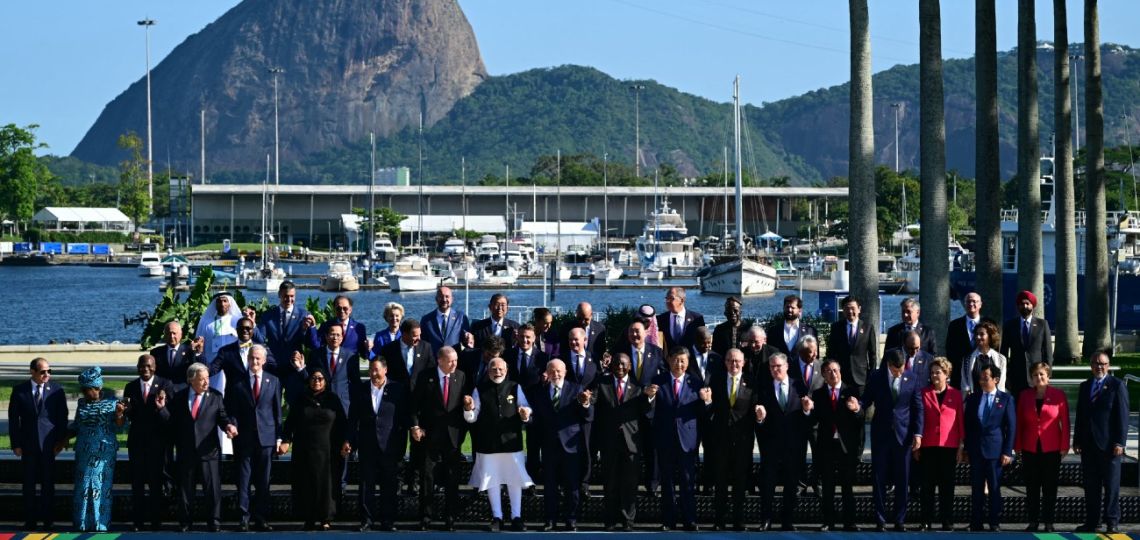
1042, 438
942, 439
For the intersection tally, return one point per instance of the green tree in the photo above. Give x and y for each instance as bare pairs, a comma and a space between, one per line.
134, 198
22, 177
385, 219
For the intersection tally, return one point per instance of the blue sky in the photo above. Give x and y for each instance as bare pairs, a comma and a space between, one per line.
63, 60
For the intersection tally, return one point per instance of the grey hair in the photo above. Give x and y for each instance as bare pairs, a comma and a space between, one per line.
804, 341
195, 368
259, 347
910, 301
779, 355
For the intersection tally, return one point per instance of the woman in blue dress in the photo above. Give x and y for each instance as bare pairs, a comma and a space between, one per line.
96, 421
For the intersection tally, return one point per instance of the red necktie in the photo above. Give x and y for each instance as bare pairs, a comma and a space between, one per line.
834, 403
807, 374
446, 387
194, 409
332, 363
620, 391
256, 387
146, 390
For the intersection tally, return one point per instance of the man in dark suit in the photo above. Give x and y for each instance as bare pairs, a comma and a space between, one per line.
1025, 340
1099, 437
526, 364
910, 310
562, 409
677, 406
838, 446
620, 412
285, 327
254, 403
782, 434
784, 333
233, 359
194, 415
989, 424
408, 357
647, 360
580, 369
444, 326
147, 443
730, 333
173, 357
854, 344
37, 428
678, 323
595, 340
437, 421
915, 359
705, 363
474, 363
497, 324
960, 334
732, 424
354, 333
896, 431
378, 430
545, 335
806, 366
757, 351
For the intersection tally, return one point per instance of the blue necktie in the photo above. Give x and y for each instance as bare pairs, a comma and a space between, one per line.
986, 408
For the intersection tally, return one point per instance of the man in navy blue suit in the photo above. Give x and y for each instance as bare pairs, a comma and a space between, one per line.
445, 326
355, 335
147, 443
37, 427
646, 359
896, 430
1099, 437
855, 344
782, 434
378, 430
910, 311
562, 409
173, 357
678, 323
254, 403
234, 360
990, 424
595, 333
497, 324
784, 333
285, 327
915, 359
679, 399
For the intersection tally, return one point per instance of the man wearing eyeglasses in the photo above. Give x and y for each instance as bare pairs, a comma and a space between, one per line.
355, 335
1099, 437
37, 427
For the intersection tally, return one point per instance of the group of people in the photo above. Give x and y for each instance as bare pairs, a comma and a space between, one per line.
551, 406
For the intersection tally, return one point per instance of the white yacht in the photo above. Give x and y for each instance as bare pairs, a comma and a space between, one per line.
487, 248
666, 241
454, 247
150, 265
382, 248
339, 277
412, 273
498, 272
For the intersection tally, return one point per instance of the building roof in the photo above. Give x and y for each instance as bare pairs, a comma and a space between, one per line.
447, 224
81, 215
524, 191
567, 227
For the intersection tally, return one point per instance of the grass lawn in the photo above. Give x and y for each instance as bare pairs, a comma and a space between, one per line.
217, 246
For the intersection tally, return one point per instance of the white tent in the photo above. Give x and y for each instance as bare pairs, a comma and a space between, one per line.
548, 235
82, 219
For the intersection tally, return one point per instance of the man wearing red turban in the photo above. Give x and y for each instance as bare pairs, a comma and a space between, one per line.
1026, 340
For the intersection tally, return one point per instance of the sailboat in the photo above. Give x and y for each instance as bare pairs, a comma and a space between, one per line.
737, 274
413, 271
606, 269
268, 278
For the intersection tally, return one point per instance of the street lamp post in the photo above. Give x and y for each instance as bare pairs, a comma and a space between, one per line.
146, 24
637, 88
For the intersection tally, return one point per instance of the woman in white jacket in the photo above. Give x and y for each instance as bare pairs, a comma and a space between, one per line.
987, 341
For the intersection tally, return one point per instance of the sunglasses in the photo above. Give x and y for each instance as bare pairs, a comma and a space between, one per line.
245, 328
48, 371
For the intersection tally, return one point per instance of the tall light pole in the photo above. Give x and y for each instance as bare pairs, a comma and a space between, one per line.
146, 24
637, 88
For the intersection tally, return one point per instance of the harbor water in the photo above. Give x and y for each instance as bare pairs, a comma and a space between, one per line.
77, 304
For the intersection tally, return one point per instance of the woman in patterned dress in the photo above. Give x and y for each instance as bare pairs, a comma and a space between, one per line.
96, 421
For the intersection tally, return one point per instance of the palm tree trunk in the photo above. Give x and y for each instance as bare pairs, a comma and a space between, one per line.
1029, 263
1065, 199
864, 241
988, 168
935, 270
1096, 245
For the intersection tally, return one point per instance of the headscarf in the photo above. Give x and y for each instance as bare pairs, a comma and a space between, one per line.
649, 315
218, 330
313, 371
91, 377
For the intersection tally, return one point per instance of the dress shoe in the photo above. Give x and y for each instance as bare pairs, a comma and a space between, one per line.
496, 524
827, 528
425, 523
1111, 529
628, 527
923, 527
739, 527
1032, 527
548, 526
1049, 527
387, 526
184, 527
718, 527
851, 528
995, 528
572, 526
243, 526
365, 526
449, 524
29, 525
900, 527
692, 527
977, 528
326, 526
262, 526
948, 527
788, 527
610, 527
1085, 528
764, 526
880, 527
666, 527
518, 525
136, 528
214, 528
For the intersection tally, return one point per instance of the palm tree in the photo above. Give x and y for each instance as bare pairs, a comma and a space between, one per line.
1096, 245
1029, 263
1066, 273
864, 239
935, 272
988, 167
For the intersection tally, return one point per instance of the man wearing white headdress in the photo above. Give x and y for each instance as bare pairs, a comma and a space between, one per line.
498, 409
218, 328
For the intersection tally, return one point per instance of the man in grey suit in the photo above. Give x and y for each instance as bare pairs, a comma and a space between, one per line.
1025, 340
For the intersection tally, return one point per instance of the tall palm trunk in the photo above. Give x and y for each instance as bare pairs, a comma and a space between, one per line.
935, 272
864, 239
1029, 263
1065, 200
1096, 245
988, 168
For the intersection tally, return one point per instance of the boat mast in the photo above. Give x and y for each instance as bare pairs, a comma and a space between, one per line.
420, 195
606, 207
463, 195
372, 197
739, 166
264, 203
656, 215
724, 239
